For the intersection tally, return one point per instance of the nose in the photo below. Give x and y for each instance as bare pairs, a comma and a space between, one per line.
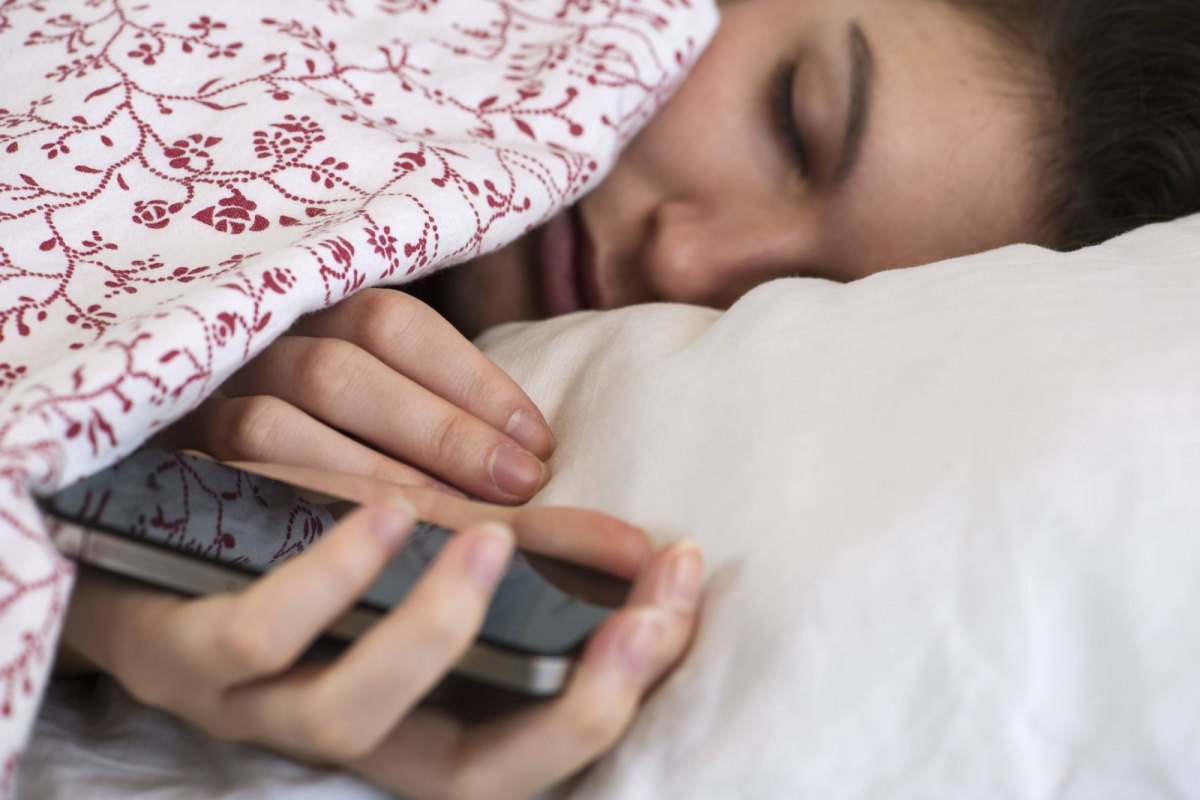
713, 253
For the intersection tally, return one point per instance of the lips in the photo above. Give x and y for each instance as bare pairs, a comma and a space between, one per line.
567, 265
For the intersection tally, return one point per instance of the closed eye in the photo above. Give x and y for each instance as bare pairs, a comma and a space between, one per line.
783, 114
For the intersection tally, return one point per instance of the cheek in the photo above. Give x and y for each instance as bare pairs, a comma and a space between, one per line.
932, 203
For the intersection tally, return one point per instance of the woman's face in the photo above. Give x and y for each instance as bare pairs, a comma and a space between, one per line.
821, 138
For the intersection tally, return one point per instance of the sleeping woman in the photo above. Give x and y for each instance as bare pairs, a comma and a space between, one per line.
830, 139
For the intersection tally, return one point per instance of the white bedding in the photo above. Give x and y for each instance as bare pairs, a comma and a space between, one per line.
952, 524
952, 520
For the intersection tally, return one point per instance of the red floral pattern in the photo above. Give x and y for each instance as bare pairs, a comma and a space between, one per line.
179, 182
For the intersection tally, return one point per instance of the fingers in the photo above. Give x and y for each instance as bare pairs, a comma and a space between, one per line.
531, 750
263, 629
266, 428
577, 535
385, 369
414, 340
345, 710
589, 538
232, 663
351, 390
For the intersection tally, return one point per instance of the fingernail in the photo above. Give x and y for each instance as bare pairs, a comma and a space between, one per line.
516, 472
683, 576
529, 428
393, 520
634, 648
489, 553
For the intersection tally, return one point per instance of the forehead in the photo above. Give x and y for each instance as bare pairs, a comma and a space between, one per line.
949, 163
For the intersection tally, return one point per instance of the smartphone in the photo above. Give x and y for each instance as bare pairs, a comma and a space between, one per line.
197, 526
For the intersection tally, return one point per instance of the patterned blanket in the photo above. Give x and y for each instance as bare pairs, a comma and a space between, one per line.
180, 181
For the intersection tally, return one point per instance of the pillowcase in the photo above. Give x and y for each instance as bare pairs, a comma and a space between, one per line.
950, 513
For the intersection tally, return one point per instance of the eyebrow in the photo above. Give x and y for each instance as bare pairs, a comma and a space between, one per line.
862, 78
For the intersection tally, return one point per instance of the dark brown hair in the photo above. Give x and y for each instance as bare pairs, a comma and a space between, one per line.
1122, 84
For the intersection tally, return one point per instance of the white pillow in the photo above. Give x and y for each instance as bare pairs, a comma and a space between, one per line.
953, 529
952, 517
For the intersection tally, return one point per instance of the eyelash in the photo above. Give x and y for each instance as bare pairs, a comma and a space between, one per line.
783, 114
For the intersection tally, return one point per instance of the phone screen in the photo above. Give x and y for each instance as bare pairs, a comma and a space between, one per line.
240, 519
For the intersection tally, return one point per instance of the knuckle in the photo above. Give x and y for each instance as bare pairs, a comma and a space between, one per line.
491, 389
345, 573
446, 632
596, 726
249, 426
245, 642
448, 442
388, 316
330, 732
368, 298
324, 365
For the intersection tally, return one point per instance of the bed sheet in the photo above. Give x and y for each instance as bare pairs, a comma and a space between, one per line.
93, 741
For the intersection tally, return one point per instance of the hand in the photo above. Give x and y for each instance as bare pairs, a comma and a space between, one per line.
379, 385
231, 664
